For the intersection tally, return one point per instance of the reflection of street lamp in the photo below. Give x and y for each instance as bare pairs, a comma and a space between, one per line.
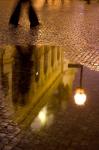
80, 95
42, 115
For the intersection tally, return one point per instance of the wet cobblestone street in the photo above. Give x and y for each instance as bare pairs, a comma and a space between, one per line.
74, 128
8, 129
74, 27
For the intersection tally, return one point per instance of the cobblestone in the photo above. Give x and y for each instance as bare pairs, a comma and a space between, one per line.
74, 26
8, 130
76, 128
78, 33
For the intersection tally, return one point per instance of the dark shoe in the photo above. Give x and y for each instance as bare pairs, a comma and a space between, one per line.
34, 24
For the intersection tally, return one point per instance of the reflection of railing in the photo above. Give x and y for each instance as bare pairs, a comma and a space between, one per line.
80, 95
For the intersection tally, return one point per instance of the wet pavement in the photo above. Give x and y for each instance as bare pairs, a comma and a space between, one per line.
37, 108
73, 127
9, 130
71, 24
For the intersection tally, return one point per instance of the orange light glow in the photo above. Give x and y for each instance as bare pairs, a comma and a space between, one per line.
80, 97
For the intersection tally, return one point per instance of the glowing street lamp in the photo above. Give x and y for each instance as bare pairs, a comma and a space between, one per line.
80, 95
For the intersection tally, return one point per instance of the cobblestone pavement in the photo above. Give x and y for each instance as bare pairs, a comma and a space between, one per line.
9, 131
74, 26
75, 128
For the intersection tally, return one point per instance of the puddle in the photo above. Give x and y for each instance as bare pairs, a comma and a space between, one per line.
37, 89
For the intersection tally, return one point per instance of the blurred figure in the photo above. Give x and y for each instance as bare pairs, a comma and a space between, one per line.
14, 19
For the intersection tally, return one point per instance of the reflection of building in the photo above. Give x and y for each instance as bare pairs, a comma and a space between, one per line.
6, 62
31, 76
34, 73
44, 65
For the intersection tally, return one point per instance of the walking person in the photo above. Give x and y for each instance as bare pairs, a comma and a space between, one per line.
14, 19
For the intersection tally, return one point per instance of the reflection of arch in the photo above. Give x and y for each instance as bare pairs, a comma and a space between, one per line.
58, 53
36, 64
46, 49
52, 55
3, 76
22, 72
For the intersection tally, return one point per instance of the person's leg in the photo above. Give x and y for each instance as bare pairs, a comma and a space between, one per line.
32, 16
16, 14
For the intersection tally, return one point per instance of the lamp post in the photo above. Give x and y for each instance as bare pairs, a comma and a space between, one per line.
80, 95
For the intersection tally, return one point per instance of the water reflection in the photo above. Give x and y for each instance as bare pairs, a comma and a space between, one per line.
56, 102
42, 119
80, 96
35, 83
23, 65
